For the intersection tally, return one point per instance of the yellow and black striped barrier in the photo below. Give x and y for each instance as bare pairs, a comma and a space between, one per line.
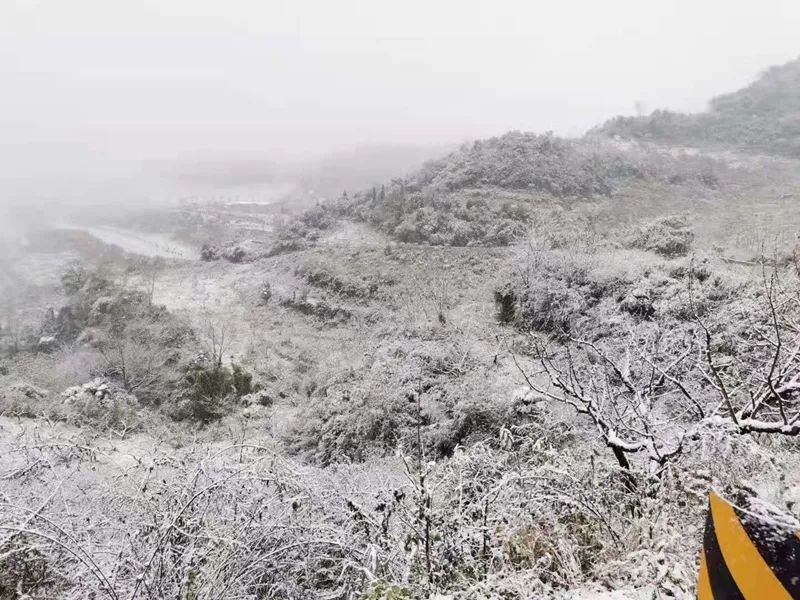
747, 557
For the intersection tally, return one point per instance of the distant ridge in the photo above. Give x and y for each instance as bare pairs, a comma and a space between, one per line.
763, 117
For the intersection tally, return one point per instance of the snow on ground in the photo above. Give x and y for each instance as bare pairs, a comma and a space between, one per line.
642, 594
138, 242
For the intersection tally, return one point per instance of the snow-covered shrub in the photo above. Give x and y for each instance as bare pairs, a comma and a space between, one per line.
506, 303
552, 305
667, 236
639, 301
327, 275
100, 404
265, 292
210, 391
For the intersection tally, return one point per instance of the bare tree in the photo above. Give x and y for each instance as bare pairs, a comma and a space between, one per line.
648, 394
131, 358
215, 339
758, 387
11, 330
151, 269
441, 301
633, 395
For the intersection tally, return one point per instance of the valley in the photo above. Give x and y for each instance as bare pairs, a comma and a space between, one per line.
514, 372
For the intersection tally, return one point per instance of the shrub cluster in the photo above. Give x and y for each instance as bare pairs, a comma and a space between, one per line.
435, 393
308, 225
323, 276
668, 236
211, 391
514, 519
582, 294
481, 194
322, 310
131, 354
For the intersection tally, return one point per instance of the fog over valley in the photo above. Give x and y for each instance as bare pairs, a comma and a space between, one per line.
94, 93
399, 301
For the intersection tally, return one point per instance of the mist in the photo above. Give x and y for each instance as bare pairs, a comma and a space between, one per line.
101, 96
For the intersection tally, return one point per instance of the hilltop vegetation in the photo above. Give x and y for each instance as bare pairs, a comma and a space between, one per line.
486, 192
763, 117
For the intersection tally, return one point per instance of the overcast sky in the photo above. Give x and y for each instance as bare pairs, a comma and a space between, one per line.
129, 80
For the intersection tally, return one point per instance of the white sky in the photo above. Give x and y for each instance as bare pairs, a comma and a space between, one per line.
127, 80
